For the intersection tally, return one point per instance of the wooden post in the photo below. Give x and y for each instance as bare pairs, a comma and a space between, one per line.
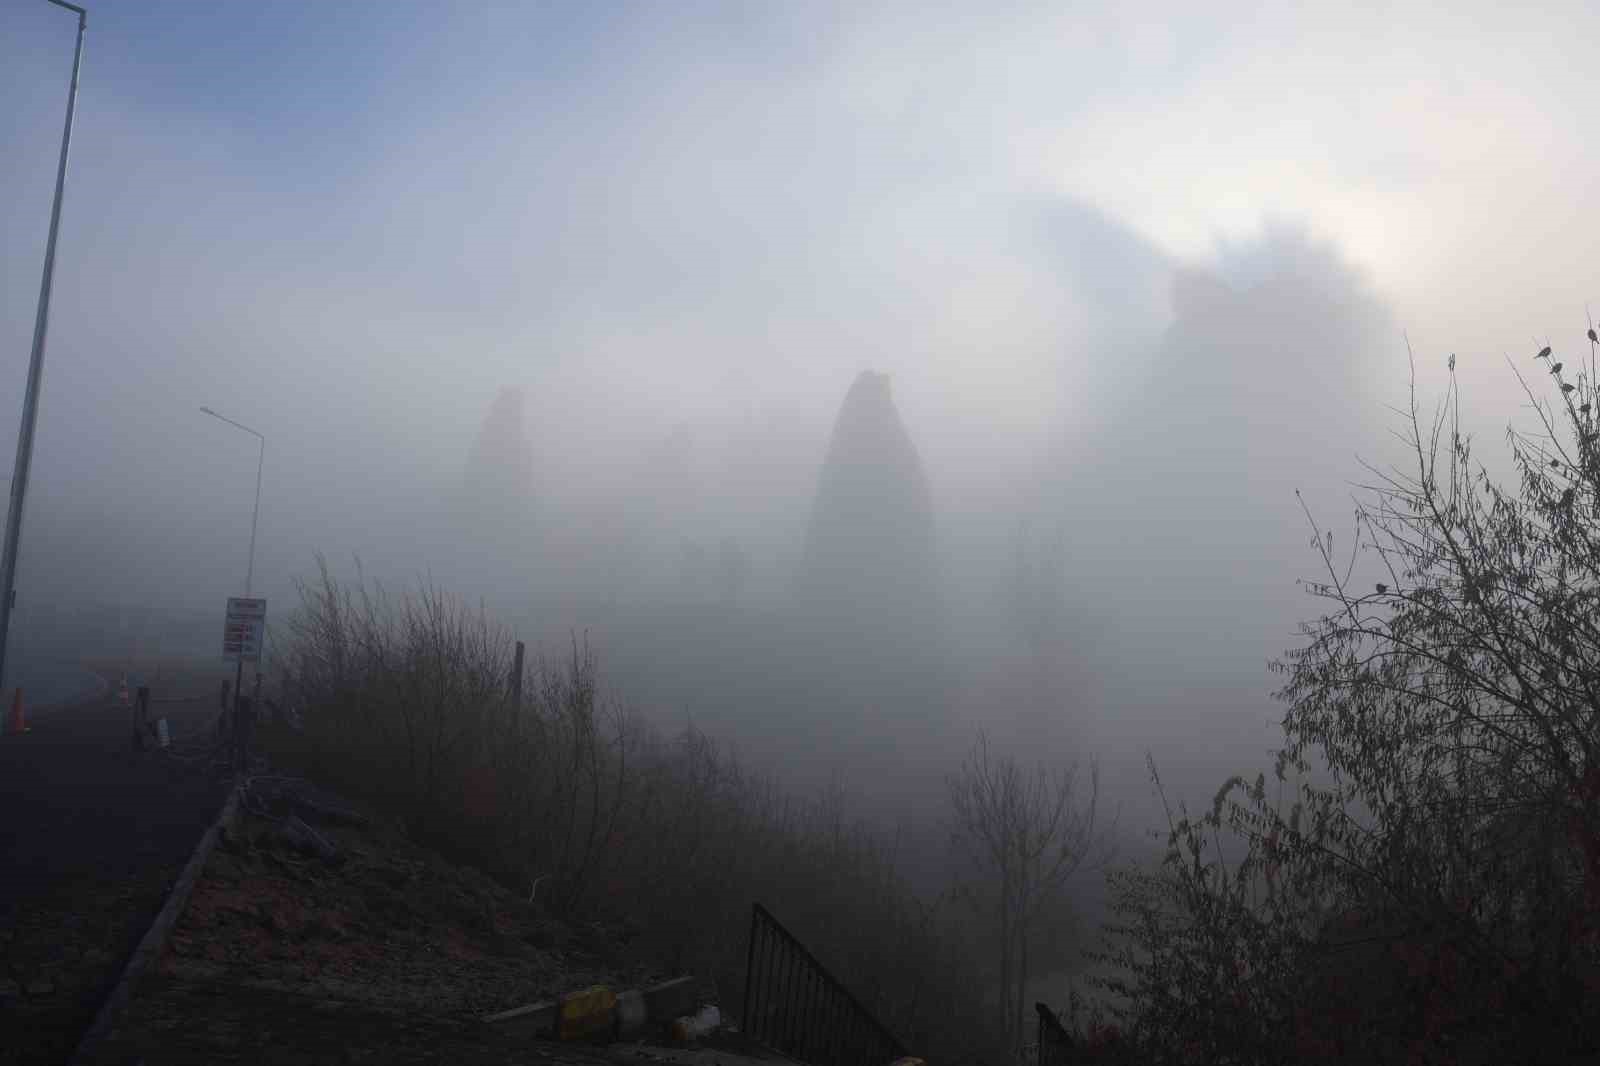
234, 731
141, 716
516, 679
223, 720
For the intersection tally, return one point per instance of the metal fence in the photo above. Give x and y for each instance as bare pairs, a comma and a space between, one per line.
1055, 1043
794, 1006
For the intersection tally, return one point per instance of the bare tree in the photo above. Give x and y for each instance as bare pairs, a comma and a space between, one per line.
1025, 835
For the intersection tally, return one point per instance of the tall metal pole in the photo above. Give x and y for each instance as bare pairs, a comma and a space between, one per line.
239, 757
250, 570
30, 400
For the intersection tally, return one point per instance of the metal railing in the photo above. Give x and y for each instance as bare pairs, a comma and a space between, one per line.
794, 1006
1055, 1043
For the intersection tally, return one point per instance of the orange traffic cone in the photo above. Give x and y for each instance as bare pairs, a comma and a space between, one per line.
18, 723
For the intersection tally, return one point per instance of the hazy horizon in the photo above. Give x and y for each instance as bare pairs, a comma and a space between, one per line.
1133, 280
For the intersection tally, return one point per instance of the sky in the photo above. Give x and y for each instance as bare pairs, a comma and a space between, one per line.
1136, 272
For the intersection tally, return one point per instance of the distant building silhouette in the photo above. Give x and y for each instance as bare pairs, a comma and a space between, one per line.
494, 509
500, 466
868, 563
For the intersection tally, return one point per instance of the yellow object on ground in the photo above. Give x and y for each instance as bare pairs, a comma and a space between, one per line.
587, 1013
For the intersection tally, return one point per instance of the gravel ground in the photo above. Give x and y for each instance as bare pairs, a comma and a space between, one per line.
386, 953
187, 1023
91, 835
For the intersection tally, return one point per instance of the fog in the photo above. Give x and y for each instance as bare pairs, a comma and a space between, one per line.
559, 311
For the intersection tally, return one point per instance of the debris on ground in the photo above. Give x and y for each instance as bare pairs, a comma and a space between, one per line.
302, 837
317, 919
693, 1027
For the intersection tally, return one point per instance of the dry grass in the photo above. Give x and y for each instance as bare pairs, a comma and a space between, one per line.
408, 705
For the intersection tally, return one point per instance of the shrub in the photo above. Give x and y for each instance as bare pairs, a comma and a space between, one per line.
1435, 899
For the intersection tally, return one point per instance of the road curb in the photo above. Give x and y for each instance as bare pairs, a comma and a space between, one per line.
155, 938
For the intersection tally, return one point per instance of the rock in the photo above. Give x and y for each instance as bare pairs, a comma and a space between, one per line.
302, 836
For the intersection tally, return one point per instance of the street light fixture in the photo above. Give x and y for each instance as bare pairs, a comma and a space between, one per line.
30, 399
249, 573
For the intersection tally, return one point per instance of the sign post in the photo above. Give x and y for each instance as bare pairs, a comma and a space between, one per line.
243, 632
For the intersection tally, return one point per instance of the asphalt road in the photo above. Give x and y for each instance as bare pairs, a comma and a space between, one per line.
48, 684
91, 835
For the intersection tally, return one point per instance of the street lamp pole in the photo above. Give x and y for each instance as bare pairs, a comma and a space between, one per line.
250, 571
30, 400
240, 755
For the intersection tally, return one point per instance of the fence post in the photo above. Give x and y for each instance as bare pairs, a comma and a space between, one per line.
516, 679
141, 716
749, 974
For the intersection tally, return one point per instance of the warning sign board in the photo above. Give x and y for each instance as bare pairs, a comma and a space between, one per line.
245, 630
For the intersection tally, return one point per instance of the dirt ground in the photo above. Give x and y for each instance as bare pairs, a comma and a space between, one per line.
188, 1023
385, 953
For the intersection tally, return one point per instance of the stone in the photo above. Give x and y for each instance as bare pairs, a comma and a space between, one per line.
300, 835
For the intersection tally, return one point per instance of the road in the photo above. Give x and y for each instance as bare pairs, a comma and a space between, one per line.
91, 835
50, 683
